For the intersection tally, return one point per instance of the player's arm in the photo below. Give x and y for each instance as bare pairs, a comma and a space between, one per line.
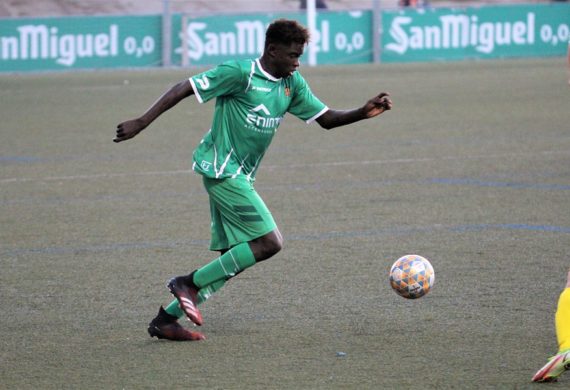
373, 107
129, 129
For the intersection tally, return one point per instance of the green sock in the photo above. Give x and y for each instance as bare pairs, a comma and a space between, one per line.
226, 266
206, 292
174, 308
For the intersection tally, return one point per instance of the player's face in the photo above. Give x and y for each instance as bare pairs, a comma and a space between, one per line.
286, 59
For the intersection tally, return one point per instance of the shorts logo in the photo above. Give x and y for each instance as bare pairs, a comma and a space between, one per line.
248, 214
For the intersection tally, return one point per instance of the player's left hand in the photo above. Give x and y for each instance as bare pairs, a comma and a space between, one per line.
378, 104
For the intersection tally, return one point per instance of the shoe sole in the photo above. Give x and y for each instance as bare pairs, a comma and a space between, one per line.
153, 331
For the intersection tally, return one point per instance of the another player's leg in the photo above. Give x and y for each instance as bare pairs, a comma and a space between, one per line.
561, 361
563, 318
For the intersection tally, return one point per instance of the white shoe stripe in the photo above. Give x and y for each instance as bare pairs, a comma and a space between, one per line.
188, 305
187, 301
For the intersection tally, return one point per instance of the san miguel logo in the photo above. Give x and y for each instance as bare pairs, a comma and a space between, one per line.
459, 31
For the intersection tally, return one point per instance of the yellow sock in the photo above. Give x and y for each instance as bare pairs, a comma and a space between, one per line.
562, 320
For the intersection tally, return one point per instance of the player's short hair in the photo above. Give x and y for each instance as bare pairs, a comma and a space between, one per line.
286, 32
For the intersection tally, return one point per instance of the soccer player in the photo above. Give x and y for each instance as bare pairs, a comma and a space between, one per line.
561, 361
252, 96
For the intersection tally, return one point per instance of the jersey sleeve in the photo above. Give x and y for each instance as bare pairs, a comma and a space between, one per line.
305, 105
225, 79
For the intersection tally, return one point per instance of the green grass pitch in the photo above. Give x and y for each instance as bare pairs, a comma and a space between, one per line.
470, 169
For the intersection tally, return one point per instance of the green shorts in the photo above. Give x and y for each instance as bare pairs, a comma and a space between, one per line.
238, 213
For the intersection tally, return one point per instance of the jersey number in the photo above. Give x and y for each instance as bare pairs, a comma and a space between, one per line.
203, 81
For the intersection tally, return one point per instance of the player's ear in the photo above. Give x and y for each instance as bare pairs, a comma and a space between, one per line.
270, 49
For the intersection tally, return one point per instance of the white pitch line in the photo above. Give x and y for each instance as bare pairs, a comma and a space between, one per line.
269, 167
413, 160
94, 176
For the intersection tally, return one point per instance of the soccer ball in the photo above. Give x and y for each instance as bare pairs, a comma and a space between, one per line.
412, 276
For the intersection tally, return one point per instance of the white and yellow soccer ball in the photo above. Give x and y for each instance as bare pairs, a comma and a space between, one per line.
412, 276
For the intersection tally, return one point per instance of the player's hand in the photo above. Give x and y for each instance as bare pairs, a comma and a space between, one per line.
129, 129
378, 104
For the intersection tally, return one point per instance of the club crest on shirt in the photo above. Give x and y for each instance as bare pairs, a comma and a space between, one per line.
206, 165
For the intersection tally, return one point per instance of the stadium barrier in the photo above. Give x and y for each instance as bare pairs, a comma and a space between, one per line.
405, 35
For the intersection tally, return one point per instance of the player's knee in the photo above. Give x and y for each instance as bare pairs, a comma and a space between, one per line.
272, 246
267, 246
277, 244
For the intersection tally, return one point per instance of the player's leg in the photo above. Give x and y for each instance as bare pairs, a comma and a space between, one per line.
262, 248
240, 221
173, 310
267, 246
165, 325
237, 259
218, 240
561, 361
203, 295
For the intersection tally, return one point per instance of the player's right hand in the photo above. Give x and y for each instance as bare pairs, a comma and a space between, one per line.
129, 129
378, 104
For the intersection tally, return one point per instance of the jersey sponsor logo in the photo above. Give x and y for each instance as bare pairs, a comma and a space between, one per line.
203, 81
261, 107
260, 117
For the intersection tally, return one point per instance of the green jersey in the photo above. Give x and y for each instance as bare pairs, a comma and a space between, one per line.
250, 105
